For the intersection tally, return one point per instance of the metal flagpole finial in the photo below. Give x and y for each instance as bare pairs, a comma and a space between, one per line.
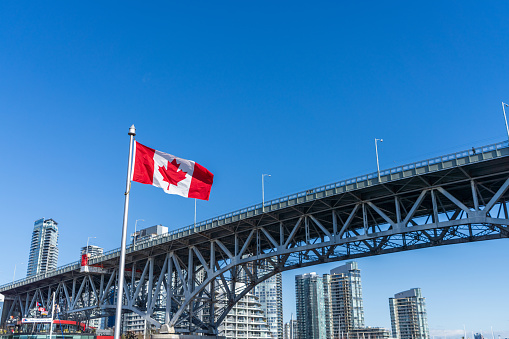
132, 130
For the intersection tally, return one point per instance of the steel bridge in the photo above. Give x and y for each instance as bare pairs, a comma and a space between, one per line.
190, 278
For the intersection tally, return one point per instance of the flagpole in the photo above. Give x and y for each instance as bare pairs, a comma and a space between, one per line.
120, 292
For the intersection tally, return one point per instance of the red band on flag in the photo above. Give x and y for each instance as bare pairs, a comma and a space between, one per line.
144, 164
201, 183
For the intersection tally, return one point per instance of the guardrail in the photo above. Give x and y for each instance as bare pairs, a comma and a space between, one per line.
200, 226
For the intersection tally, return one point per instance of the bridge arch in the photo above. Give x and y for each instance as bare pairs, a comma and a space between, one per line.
191, 283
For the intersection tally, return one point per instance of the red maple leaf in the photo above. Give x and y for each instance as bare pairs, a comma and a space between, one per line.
172, 175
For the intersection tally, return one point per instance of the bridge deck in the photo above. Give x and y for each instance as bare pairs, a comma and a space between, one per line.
490, 162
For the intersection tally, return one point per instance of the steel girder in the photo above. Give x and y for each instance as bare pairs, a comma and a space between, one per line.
192, 285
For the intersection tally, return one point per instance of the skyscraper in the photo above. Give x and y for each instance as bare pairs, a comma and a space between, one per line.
44, 247
346, 299
2, 298
327, 303
408, 315
290, 331
270, 295
310, 307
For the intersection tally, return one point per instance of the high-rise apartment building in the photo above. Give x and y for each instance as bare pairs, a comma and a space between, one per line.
44, 247
94, 251
2, 298
290, 331
335, 300
148, 233
408, 315
270, 295
327, 303
347, 311
245, 320
310, 307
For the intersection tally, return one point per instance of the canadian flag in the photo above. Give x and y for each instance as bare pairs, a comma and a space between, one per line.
174, 175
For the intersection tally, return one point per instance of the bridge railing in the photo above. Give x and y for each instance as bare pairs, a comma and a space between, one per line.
201, 226
271, 204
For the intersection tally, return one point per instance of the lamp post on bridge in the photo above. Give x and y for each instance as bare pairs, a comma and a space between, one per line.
14, 275
263, 191
504, 105
377, 163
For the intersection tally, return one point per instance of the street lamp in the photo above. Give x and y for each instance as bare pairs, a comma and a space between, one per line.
504, 105
87, 243
14, 275
134, 238
263, 191
377, 163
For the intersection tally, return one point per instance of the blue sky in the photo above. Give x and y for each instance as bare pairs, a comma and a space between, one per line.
295, 89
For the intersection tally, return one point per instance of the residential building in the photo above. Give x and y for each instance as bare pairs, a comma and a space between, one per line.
327, 302
94, 251
270, 295
367, 333
133, 323
310, 306
290, 331
347, 311
245, 319
44, 247
2, 298
148, 233
408, 315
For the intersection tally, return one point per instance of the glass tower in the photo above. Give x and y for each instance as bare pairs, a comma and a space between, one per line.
270, 295
327, 303
408, 315
44, 247
346, 299
310, 307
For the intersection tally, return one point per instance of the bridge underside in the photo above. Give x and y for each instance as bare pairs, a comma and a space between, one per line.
193, 282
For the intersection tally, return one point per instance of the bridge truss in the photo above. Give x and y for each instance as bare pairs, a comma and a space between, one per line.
191, 283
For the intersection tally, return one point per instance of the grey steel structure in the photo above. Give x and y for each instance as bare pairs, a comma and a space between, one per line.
452, 199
